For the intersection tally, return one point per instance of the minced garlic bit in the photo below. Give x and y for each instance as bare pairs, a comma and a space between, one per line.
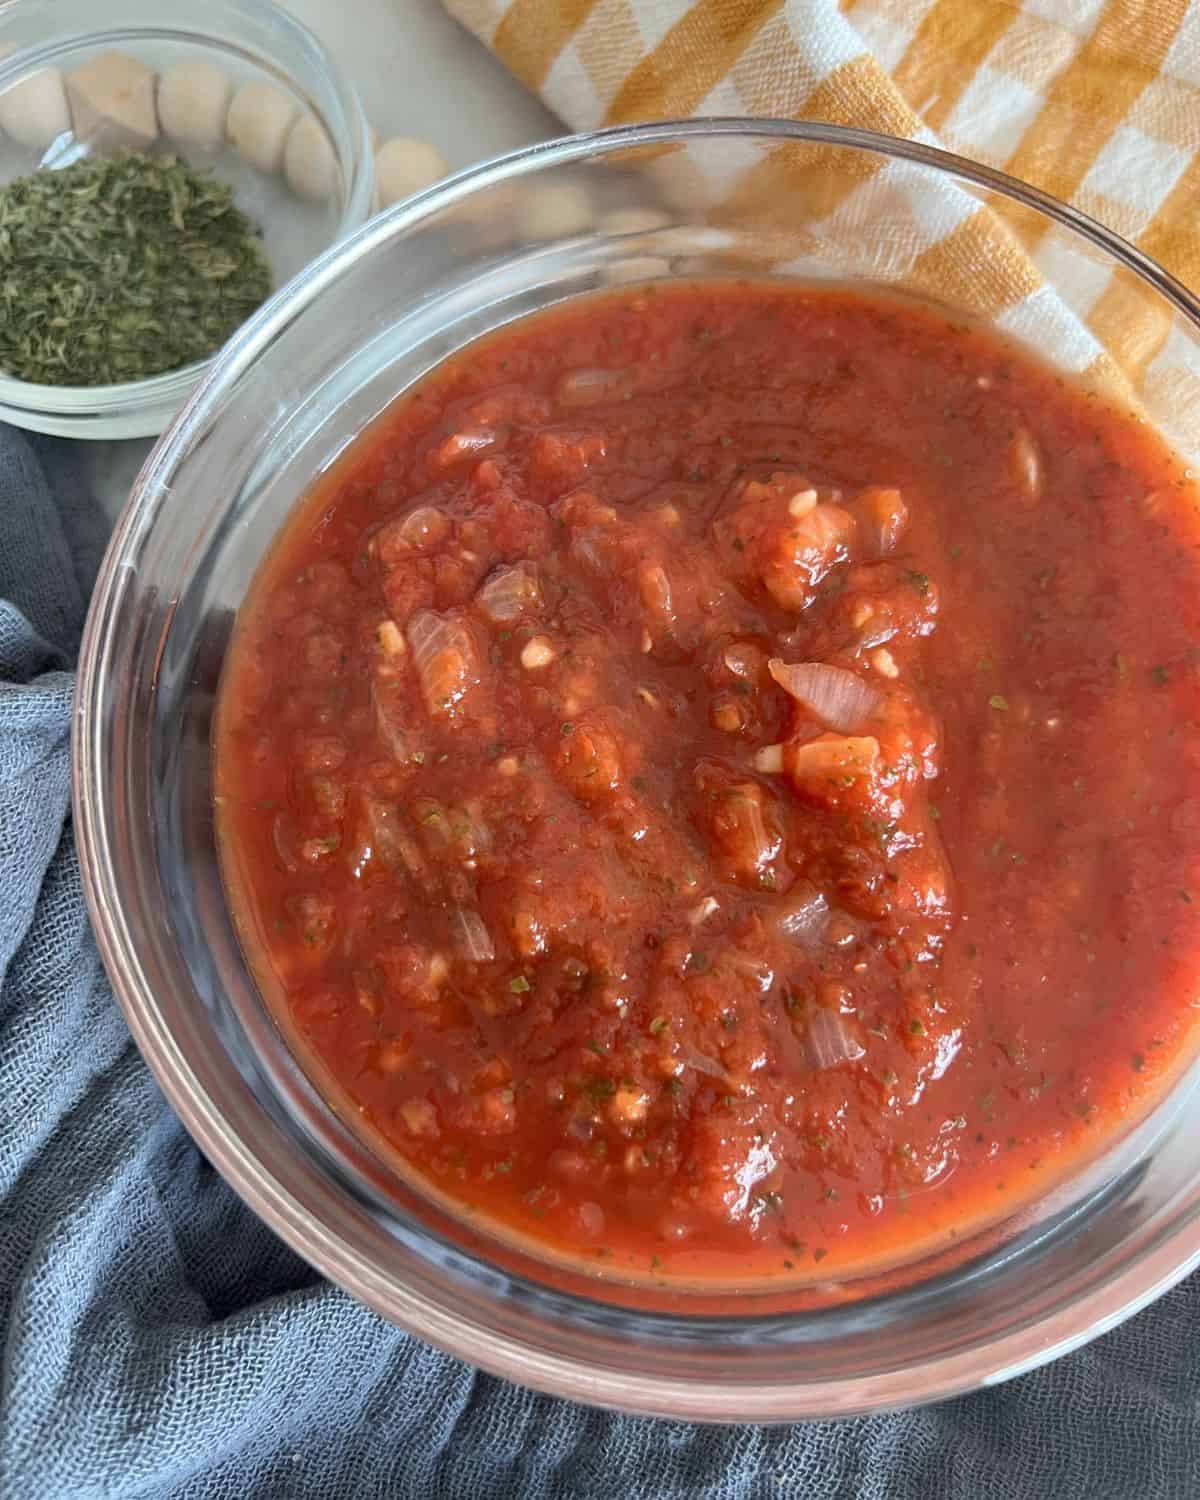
391, 639
884, 662
801, 503
629, 1105
537, 652
863, 611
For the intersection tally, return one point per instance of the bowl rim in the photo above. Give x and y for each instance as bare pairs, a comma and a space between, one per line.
1160, 1263
87, 403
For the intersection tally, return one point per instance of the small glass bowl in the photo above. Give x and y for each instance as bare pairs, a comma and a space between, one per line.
249, 40
290, 391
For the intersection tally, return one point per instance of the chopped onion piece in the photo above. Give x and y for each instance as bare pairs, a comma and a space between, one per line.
759, 973
655, 589
424, 527
836, 697
829, 1039
387, 839
469, 443
509, 593
1025, 464
765, 845
472, 940
591, 1219
471, 833
444, 652
390, 713
743, 659
590, 387
877, 631
701, 1063
283, 836
884, 516
805, 917
769, 760
704, 910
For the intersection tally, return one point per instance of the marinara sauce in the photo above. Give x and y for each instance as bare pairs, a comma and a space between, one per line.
711, 778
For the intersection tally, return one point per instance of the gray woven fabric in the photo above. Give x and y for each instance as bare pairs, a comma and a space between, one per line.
160, 1342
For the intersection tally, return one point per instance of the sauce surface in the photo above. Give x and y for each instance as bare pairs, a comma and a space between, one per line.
711, 778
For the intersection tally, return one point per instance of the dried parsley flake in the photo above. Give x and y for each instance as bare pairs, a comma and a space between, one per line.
116, 268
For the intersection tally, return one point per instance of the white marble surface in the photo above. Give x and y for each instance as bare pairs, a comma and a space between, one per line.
420, 74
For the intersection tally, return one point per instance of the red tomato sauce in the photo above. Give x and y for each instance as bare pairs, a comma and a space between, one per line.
711, 780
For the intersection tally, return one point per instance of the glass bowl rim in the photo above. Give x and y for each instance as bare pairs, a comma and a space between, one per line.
1157, 1266
119, 397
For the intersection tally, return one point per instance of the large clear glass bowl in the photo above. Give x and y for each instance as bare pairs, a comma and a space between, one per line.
293, 388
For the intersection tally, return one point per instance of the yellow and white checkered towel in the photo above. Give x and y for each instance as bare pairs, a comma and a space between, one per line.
1095, 101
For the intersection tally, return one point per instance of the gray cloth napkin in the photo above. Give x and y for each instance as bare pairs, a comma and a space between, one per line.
159, 1341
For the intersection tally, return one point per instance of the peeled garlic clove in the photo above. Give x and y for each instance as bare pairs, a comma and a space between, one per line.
34, 111
309, 165
193, 101
637, 268
632, 220
554, 210
112, 101
258, 123
404, 166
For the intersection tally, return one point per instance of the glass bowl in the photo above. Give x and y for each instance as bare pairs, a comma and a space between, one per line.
43, 41
282, 400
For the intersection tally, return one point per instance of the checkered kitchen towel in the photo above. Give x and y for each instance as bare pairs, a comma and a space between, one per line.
1095, 101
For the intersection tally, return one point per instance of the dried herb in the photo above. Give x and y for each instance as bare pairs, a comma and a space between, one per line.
116, 268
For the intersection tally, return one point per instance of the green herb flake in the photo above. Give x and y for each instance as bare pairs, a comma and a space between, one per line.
519, 985
116, 268
920, 582
1161, 674
999, 702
